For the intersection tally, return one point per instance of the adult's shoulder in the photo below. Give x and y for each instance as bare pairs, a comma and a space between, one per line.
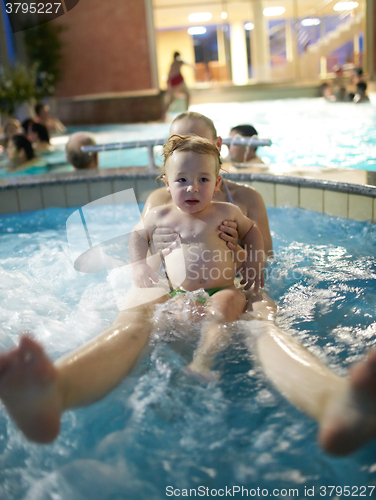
155, 199
244, 194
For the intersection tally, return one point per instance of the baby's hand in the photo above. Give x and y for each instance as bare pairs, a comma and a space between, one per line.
164, 240
143, 275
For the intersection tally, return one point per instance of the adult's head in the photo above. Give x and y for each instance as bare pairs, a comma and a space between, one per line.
20, 150
42, 111
242, 154
192, 123
11, 128
26, 126
361, 88
39, 133
176, 55
78, 158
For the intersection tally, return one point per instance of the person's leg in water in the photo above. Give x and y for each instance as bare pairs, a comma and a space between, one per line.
345, 408
224, 307
36, 391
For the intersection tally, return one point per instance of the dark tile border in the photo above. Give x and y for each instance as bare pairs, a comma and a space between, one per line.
112, 174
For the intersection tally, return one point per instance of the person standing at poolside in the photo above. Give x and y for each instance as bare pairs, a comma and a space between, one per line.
176, 84
76, 157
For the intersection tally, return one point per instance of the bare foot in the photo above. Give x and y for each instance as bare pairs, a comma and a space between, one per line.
350, 421
29, 392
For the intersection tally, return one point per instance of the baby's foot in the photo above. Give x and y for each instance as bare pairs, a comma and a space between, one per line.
29, 392
350, 420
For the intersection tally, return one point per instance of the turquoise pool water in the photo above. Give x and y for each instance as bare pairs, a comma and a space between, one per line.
305, 132
160, 427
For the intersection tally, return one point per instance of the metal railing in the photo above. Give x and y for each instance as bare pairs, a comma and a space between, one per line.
253, 141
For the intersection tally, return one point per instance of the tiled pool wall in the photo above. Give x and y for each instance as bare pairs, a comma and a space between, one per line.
79, 188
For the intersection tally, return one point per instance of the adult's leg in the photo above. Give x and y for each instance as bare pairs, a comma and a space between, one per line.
345, 408
169, 98
225, 307
36, 392
187, 95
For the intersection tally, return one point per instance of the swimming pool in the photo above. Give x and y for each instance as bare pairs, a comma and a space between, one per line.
161, 428
304, 132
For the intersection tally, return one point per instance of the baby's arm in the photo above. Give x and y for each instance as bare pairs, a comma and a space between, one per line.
143, 274
252, 267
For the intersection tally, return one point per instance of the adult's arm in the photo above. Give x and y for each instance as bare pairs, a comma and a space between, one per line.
157, 198
246, 197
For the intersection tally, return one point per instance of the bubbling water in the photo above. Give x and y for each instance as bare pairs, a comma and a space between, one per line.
162, 427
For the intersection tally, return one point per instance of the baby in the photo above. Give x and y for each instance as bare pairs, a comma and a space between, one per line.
191, 174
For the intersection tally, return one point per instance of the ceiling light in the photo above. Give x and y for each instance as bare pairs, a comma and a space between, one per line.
224, 15
249, 26
197, 30
200, 17
310, 21
345, 5
274, 11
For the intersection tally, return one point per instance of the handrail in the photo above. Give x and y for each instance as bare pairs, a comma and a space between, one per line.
237, 141
253, 141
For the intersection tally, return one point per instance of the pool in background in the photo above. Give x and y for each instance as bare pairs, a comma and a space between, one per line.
160, 427
304, 132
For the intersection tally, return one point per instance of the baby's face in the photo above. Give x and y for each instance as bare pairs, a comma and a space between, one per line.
191, 180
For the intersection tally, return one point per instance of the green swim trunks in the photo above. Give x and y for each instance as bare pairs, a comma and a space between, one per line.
201, 300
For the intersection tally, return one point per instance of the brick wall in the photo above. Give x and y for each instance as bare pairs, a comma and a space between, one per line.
105, 48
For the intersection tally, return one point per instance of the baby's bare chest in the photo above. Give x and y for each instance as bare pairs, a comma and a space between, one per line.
197, 230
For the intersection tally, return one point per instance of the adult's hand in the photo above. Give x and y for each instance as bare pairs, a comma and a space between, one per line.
229, 233
164, 240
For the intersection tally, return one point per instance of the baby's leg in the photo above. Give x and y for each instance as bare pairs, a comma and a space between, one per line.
36, 392
344, 408
225, 306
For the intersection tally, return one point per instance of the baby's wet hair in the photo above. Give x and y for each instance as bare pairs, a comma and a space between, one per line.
192, 143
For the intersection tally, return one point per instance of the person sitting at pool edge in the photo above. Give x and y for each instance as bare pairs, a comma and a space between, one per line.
20, 153
11, 128
361, 96
39, 137
76, 157
53, 125
246, 198
244, 154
